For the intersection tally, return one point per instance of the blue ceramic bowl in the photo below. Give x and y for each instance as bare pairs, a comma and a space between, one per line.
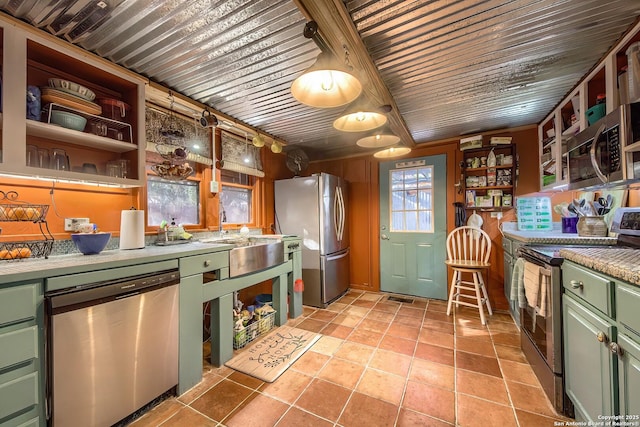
91, 243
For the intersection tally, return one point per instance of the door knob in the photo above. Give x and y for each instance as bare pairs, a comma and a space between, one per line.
602, 337
384, 237
615, 348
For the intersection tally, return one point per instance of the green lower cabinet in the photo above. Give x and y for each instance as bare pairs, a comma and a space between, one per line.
629, 376
590, 367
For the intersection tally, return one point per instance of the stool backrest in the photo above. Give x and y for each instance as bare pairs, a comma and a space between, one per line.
468, 243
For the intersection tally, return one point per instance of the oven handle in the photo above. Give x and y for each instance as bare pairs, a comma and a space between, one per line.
592, 154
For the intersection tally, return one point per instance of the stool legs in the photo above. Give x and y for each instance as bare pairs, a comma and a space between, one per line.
481, 296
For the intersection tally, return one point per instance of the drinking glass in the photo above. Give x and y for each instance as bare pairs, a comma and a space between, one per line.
113, 169
32, 155
44, 159
60, 161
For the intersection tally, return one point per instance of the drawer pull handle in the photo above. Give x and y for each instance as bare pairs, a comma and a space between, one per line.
615, 349
207, 263
576, 284
602, 337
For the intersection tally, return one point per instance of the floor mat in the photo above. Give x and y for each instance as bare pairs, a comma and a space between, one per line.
400, 299
268, 357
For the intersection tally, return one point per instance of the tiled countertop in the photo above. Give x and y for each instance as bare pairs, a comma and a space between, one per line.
553, 237
620, 263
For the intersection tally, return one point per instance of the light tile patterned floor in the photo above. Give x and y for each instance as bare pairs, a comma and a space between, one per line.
379, 363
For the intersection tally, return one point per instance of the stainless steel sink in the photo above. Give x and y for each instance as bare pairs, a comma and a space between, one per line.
251, 254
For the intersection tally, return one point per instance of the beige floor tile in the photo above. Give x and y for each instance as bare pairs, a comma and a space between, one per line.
327, 345
440, 404
472, 411
368, 411
408, 418
355, 352
382, 385
324, 399
365, 336
529, 398
514, 354
374, 325
159, 414
260, 411
342, 372
436, 338
480, 346
288, 387
398, 345
188, 417
310, 363
483, 386
520, 372
391, 362
347, 320
297, 417
437, 374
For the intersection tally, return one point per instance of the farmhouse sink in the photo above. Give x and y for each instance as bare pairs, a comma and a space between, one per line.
251, 254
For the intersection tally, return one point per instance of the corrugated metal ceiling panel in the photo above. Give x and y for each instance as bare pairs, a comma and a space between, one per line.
452, 67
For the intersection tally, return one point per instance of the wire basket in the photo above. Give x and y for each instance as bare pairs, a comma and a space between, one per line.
30, 249
253, 331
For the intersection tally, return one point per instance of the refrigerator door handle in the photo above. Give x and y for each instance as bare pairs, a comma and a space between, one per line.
338, 213
338, 255
342, 211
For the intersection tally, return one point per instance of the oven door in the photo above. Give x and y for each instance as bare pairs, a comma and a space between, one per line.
541, 318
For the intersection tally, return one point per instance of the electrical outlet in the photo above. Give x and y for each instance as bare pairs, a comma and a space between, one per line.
214, 187
71, 224
496, 215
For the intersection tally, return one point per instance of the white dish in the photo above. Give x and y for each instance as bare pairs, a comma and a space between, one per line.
72, 88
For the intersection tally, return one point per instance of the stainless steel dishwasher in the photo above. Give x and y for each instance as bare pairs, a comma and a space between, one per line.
112, 348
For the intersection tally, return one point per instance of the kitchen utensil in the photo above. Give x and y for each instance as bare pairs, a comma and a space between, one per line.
59, 159
573, 209
114, 108
208, 120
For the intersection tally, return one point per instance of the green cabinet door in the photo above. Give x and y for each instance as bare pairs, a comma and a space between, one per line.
589, 364
629, 376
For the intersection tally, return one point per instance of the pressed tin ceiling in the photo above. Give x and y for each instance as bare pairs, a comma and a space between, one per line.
449, 67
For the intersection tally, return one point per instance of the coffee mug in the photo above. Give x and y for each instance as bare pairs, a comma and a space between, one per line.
208, 121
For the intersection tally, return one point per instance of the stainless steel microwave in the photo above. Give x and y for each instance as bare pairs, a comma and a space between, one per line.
604, 153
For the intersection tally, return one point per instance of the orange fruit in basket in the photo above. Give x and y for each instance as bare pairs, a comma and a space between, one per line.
3, 214
5, 254
23, 252
25, 214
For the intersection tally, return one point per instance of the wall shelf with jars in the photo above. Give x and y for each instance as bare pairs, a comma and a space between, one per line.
489, 174
83, 114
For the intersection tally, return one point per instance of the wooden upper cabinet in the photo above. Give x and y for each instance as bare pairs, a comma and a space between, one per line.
93, 132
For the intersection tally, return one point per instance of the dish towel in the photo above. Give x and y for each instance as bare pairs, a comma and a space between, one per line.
545, 283
517, 283
531, 283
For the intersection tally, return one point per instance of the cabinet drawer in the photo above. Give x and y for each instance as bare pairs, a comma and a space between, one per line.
18, 303
594, 289
18, 395
627, 304
202, 263
18, 346
506, 245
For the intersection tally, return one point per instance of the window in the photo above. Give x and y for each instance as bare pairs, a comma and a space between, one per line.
411, 194
172, 199
236, 197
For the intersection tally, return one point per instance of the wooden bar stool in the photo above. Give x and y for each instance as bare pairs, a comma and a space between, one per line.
468, 250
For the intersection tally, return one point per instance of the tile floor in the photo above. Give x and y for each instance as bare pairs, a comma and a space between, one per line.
379, 363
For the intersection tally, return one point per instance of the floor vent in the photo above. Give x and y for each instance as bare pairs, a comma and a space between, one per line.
400, 299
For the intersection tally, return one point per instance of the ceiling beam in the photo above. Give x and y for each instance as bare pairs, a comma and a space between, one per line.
338, 30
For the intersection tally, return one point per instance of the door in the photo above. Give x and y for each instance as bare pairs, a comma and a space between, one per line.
629, 377
334, 232
413, 227
588, 363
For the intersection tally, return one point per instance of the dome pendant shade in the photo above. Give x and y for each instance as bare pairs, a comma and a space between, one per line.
359, 117
392, 152
258, 141
379, 138
326, 84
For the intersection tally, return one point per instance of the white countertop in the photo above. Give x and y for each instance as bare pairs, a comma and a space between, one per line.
552, 237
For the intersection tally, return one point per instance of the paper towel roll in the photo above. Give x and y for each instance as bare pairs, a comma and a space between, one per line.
132, 229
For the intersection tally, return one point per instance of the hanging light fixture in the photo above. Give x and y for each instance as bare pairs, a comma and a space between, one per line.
392, 152
360, 117
258, 141
327, 83
381, 137
246, 158
276, 147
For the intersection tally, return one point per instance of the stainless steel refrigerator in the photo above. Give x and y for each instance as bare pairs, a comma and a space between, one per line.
315, 208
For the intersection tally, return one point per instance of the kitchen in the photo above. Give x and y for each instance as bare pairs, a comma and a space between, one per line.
104, 204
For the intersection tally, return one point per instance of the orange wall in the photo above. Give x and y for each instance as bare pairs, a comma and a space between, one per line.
362, 175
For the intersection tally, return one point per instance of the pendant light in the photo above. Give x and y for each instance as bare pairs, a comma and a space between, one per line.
382, 137
258, 141
360, 117
276, 147
327, 83
392, 152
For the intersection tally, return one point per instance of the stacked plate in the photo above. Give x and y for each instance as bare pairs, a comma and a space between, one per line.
72, 95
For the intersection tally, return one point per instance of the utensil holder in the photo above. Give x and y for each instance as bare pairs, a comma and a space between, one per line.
592, 226
569, 224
